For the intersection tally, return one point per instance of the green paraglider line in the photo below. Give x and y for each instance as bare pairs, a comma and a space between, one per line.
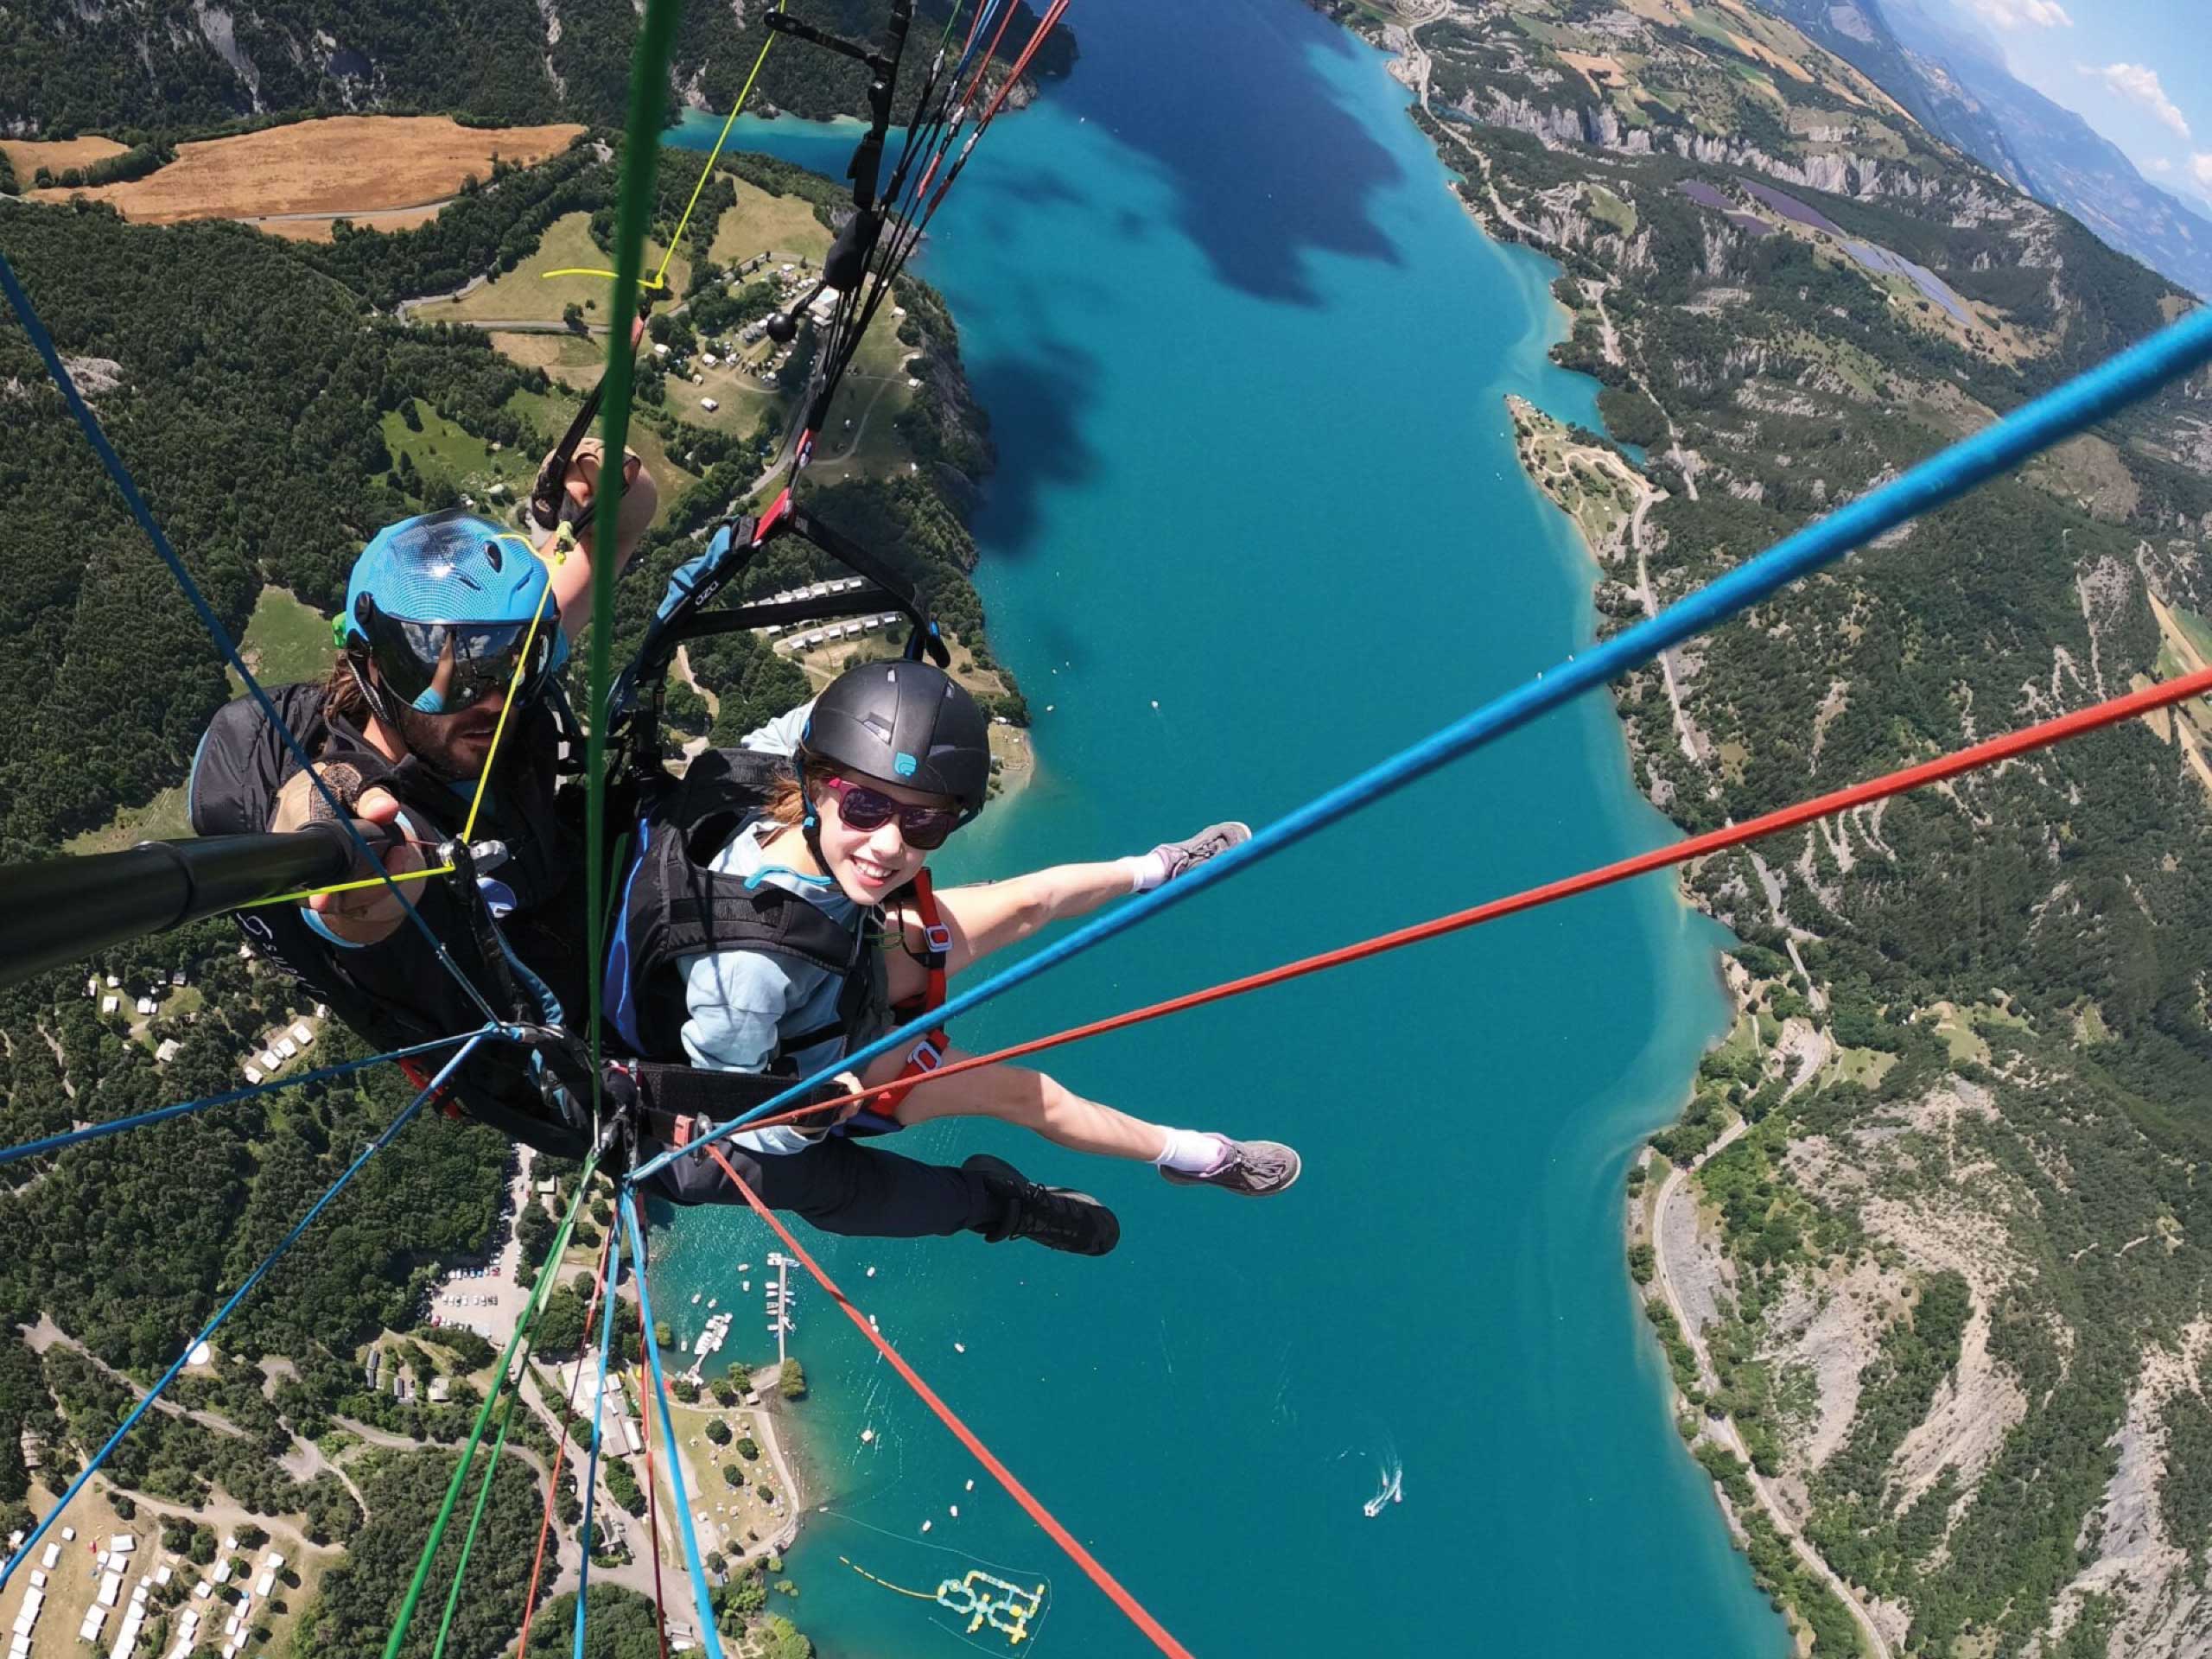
640, 165
522, 1327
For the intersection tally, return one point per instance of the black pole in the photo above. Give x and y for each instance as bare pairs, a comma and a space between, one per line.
61, 910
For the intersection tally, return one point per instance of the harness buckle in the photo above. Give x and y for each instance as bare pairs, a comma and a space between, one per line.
926, 1055
938, 937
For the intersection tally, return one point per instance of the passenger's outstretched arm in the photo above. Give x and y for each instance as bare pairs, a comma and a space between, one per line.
999, 913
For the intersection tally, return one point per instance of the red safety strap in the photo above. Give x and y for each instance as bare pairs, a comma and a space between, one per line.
418, 1074
928, 1054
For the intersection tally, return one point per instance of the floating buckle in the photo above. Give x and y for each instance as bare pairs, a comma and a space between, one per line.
938, 937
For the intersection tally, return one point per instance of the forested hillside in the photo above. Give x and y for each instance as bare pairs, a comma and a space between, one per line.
246, 383
1948, 1291
273, 411
133, 66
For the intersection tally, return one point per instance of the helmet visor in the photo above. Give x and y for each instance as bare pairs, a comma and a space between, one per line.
441, 668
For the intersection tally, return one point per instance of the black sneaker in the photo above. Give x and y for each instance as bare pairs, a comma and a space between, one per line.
1051, 1216
1252, 1169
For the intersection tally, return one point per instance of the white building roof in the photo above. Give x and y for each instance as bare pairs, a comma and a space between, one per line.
303, 1034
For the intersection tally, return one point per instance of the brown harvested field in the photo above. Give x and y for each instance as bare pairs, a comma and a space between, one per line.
346, 164
27, 155
318, 230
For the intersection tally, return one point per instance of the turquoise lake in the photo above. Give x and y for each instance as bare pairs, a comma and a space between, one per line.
1256, 523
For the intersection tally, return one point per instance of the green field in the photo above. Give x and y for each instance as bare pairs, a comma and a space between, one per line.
760, 222
2198, 629
161, 819
525, 294
442, 450
285, 641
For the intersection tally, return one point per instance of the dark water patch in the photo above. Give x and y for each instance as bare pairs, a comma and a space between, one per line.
1259, 210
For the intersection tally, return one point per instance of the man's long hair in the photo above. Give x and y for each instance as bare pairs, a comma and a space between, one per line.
342, 698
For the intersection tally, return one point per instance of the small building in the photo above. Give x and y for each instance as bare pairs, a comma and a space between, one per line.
167, 1051
52, 1558
708, 405
266, 1584
441, 1389
115, 981
274, 1560
122, 1544
709, 359
222, 1573
110, 1004
286, 1046
147, 1005
271, 1061
252, 1075
177, 978
302, 1033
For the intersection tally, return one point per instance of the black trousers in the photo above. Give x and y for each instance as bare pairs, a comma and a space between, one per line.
843, 1186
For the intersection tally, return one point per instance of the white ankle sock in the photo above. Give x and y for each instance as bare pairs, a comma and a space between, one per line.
1192, 1152
1145, 870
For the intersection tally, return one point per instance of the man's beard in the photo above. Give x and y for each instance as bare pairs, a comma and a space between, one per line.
432, 739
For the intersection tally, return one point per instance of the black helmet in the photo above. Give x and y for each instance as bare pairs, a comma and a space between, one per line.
904, 724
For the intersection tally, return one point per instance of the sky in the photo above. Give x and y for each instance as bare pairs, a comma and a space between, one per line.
2138, 71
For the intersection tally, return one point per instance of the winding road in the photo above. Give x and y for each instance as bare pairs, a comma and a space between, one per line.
1724, 1428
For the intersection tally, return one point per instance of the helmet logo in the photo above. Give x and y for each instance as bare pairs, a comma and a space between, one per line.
906, 765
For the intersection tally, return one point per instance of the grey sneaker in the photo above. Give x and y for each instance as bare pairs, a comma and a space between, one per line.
1253, 1169
1180, 857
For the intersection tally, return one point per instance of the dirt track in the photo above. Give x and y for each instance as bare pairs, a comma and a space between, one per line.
346, 164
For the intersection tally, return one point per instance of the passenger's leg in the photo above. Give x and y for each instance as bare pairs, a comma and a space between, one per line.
864, 1191
841, 1187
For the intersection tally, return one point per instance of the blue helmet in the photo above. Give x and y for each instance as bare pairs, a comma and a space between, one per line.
443, 605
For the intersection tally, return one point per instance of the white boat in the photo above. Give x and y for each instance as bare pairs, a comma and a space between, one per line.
695, 1298
1393, 1491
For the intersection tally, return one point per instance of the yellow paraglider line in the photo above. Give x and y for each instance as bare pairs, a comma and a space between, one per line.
484, 778
658, 280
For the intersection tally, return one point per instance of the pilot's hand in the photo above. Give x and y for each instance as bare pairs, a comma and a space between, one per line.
364, 915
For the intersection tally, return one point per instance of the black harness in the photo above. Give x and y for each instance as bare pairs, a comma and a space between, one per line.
398, 994
673, 906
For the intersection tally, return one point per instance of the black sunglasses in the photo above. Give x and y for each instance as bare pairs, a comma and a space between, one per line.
864, 809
